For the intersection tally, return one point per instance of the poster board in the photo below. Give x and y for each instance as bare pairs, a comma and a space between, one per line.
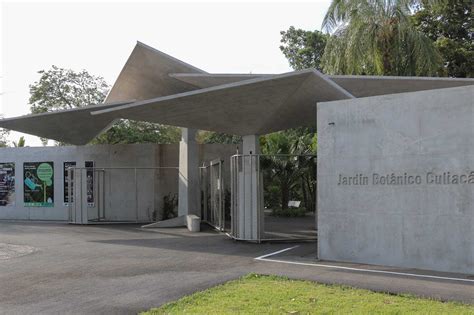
67, 165
38, 184
90, 182
7, 184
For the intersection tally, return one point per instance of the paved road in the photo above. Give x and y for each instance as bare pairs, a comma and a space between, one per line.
124, 269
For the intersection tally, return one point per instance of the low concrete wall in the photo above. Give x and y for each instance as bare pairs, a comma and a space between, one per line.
396, 180
153, 185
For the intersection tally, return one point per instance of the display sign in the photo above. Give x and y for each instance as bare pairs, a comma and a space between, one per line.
90, 182
7, 184
38, 184
66, 182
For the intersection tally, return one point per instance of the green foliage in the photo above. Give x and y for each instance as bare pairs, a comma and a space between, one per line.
450, 24
303, 49
208, 137
258, 294
3, 137
289, 177
289, 212
20, 143
378, 38
59, 89
170, 205
129, 131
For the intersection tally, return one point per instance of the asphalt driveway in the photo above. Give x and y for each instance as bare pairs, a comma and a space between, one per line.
123, 269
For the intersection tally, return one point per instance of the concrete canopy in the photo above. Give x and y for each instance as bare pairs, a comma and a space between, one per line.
170, 91
145, 75
74, 126
357, 85
256, 106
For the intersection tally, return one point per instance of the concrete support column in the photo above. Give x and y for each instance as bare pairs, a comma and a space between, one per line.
251, 191
189, 198
251, 144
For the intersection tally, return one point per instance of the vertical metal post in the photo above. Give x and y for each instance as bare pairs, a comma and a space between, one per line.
82, 201
259, 199
103, 194
222, 197
69, 200
96, 175
136, 196
205, 193
231, 196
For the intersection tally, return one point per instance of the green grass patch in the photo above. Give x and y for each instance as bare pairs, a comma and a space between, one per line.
256, 294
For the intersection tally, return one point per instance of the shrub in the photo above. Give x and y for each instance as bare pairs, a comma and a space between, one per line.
289, 212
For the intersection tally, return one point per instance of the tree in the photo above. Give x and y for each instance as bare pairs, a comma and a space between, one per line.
303, 49
60, 88
208, 137
377, 37
3, 138
20, 143
291, 176
450, 24
129, 131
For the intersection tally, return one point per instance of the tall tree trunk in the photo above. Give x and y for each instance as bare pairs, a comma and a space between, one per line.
305, 193
285, 194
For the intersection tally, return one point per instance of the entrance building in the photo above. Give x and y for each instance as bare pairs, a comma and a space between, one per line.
400, 126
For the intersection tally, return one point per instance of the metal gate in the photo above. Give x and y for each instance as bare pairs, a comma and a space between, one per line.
85, 191
213, 193
115, 194
258, 184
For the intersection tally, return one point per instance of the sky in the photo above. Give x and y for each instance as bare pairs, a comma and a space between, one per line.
219, 37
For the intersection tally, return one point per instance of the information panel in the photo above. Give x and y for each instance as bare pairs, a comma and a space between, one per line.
7, 184
90, 182
66, 182
38, 184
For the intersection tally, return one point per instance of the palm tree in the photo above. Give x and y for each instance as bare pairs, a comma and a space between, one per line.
377, 37
21, 142
291, 176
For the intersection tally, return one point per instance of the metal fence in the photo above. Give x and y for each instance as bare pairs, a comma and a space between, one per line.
273, 197
118, 194
213, 194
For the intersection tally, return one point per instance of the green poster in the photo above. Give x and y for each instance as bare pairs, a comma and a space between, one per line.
38, 184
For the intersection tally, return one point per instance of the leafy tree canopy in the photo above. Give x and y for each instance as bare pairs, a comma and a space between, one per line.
208, 137
60, 88
303, 49
3, 138
129, 131
20, 143
450, 24
377, 37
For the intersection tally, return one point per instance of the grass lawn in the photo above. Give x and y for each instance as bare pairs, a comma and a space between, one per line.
256, 294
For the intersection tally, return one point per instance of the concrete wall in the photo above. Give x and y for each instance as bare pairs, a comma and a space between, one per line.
120, 199
408, 220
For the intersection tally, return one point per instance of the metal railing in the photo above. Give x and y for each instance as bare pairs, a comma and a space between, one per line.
212, 189
251, 220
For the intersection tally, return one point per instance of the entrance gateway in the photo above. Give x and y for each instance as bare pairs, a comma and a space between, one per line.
351, 223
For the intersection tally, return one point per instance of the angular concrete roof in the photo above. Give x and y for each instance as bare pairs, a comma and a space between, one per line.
75, 126
145, 75
357, 85
256, 106
170, 91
